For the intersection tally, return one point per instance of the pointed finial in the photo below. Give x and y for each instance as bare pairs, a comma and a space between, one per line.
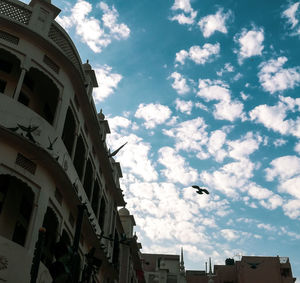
210, 269
182, 261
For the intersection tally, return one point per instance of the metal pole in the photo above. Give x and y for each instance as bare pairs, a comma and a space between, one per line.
37, 255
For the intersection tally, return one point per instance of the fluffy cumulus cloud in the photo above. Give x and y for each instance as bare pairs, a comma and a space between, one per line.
107, 82
176, 168
187, 15
189, 135
276, 117
153, 114
291, 14
199, 55
226, 109
95, 33
184, 106
250, 43
287, 170
135, 156
180, 83
212, 23
273, 77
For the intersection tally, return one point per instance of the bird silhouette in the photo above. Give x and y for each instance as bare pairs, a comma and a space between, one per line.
116, 151
51, 143
253, 265
28, 131
200, 191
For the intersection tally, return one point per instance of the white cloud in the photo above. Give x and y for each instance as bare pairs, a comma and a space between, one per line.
179, 84
215, 144
190, 135
153, 114
189, 15
227, 68
230, 234
134, 156
279, 142
218, 90
199, 55
291, 14
229, 110
212, 23
118, 122
185, 19
267, 227
250, 43
184, 106
91, 31
283, 167
297, 148
275, 117
213, 90
107, 83
177, 170
292, 208
242, 148
110, 18
231, 178
273, 77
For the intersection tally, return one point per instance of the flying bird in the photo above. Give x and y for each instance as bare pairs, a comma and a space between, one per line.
200, 191
116, 151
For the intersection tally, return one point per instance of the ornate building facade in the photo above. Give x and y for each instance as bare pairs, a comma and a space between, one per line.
59, 186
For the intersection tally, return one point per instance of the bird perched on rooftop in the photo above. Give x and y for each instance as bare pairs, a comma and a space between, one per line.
200, 191
253, 265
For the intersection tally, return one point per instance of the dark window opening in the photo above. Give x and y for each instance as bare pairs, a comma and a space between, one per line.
285, 272
88, 179
48, 114
79, 156
16, 203
23, 98
116, 251
4, 183
68, 134
50, 223
29, 82
95, 198
42, 93
2, 85
58, 196
6, 66
102, 213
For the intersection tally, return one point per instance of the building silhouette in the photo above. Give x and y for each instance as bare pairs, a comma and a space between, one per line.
59, 186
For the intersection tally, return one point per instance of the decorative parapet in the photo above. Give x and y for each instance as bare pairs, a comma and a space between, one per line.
15, 12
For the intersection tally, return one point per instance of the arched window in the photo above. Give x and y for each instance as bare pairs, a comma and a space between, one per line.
79, 156
69, 131
16, 203
9, 72
50, 223
40, 94
88, 179
95, 198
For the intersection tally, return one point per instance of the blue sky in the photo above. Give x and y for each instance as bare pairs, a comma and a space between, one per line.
204, 92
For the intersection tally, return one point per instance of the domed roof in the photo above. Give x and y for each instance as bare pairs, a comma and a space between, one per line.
124, 211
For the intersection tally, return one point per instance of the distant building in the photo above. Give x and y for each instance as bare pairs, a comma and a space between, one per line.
249, 269
55, 168
163, 268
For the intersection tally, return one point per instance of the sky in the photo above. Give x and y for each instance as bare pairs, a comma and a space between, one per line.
204, 92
